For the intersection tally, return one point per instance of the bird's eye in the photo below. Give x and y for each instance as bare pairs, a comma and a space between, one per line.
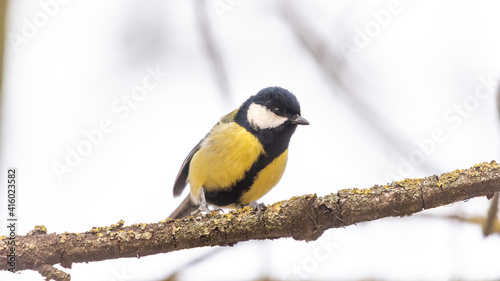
276, 110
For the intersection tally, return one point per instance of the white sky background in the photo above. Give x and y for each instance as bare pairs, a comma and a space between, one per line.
428, 59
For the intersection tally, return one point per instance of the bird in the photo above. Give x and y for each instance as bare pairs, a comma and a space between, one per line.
242, 157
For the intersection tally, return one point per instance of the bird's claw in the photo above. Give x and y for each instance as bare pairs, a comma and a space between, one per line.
257, 207
203, 206
202, 209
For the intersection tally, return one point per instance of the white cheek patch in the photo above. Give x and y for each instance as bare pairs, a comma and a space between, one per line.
262, 118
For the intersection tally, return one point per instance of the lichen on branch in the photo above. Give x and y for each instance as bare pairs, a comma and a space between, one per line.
302, 218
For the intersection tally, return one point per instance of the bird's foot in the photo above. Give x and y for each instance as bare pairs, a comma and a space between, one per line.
203, 206
205, 209
257, 207
202, 209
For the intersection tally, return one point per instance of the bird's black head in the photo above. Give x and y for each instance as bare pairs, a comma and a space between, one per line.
272, 115
270, 108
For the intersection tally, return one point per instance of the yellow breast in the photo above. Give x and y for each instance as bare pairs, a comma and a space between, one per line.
266, 179
226, 154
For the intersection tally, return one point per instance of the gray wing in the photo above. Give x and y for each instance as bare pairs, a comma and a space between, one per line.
181, 180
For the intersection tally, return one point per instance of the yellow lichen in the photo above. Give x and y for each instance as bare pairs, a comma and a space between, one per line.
228, 216
364, 191
355, 190
62, 238
106, 228
449, 177
276, 206
175, 229
118, 224
485, 166
40, 228
409, 182
476, 170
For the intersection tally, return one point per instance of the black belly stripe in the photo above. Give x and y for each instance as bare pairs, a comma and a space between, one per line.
233, 195
275, 142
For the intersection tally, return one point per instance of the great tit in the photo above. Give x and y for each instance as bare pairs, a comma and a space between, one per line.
243, 156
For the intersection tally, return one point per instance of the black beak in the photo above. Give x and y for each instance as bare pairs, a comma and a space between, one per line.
299, 120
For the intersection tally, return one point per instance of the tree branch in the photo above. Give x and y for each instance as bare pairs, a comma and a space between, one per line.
303, 218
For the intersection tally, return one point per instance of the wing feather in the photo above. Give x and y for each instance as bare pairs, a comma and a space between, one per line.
182, 176
181, 180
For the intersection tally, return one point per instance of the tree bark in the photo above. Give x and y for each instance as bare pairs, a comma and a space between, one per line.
303, 218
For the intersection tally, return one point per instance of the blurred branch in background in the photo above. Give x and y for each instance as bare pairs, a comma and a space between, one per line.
3, 37
332, 65
480, 221
3, 23
498, 101
193, 262
220, 74
212, 50
491, 223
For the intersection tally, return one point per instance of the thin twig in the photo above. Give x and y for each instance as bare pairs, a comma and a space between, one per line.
491, 218
194, 262
52, 273
332, 66
480, 221
3, 23
213, 53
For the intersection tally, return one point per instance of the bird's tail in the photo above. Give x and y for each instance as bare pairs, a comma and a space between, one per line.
185, 209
